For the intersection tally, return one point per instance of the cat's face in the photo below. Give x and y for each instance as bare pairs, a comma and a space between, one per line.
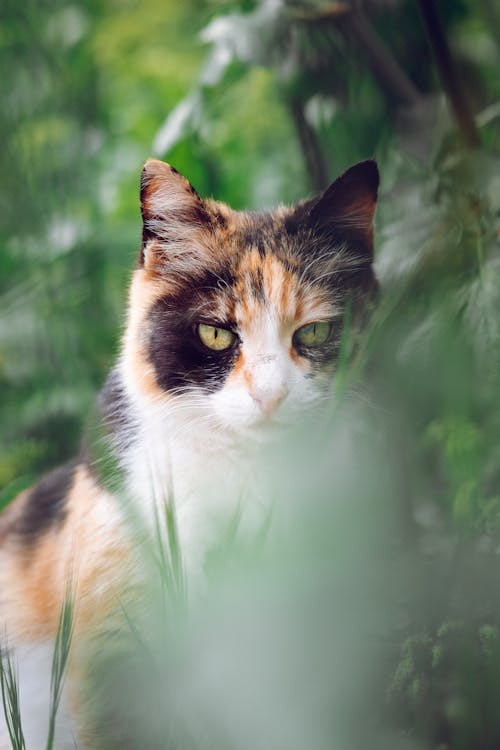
237, 318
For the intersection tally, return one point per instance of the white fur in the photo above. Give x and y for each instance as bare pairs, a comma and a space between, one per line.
210, 449
206, 453
277, 385
179, 451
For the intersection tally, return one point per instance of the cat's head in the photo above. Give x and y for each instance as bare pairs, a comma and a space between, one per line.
238, 316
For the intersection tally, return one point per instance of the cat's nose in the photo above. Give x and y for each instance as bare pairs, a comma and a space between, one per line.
269, 398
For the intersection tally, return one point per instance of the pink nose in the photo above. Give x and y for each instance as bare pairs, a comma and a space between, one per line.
269, 399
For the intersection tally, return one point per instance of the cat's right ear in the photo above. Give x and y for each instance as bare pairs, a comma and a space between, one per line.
346, 208
171, 211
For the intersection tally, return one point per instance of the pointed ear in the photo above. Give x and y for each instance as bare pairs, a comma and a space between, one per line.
346, 208
171, 210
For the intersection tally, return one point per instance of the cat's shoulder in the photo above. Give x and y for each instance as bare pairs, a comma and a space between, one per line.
41, 507
66, 531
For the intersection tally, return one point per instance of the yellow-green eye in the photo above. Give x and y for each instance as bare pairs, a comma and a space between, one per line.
313, 334
215, 338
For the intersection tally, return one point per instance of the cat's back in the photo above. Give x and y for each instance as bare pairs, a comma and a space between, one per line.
64, 529
26, 519
64, 537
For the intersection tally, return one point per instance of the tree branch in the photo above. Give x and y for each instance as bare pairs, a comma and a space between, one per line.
311, 149
356, 27
448, 73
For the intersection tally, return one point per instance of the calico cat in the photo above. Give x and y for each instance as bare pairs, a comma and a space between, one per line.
234, 328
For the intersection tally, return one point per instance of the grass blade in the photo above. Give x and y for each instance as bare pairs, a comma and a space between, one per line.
10, 700
60, 661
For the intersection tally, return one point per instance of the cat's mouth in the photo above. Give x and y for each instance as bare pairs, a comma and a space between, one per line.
263, 428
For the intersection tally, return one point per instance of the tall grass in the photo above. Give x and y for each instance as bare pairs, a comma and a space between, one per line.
62, 647
10, 699
9, 679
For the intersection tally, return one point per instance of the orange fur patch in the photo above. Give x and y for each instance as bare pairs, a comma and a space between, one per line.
144, 292
90, 549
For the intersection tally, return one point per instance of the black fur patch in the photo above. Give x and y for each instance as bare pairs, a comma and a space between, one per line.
109, 428
45, 506
114, 408
261, 230
179, 358
307, 249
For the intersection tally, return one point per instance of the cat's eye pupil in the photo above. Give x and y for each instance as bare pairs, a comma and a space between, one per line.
312, 334
215, 337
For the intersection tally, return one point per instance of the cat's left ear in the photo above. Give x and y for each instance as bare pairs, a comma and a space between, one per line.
172, 212
346, 208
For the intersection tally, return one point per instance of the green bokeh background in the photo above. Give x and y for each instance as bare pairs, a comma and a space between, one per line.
259, 103
86, 90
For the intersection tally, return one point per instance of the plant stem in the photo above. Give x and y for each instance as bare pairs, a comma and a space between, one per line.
391, 77
355, 27
448, 73
311, 148
60, 661
491, 15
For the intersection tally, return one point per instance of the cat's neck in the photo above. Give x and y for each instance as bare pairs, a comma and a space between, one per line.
168, 454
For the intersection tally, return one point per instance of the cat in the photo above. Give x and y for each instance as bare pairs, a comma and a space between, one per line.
234, 329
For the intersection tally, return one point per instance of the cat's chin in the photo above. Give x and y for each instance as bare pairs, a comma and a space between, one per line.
260, 428
258, 431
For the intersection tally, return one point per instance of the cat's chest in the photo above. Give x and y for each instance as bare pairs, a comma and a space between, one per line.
215, 486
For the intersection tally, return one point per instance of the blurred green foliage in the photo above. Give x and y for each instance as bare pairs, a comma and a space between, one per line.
260, 102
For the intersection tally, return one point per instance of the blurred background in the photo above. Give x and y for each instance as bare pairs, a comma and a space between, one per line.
257, 103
